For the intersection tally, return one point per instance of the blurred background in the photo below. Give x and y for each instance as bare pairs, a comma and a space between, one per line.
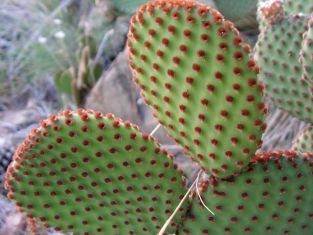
66, 54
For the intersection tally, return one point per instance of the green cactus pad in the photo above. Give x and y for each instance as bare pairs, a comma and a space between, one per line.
89, 174
196, 74
277, 53
274, 196
307, 54
298, 6
304, 142
63, 80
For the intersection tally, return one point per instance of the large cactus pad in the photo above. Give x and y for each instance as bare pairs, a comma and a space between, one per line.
304, 142
89, 174
195, 72
275, 196
277, 53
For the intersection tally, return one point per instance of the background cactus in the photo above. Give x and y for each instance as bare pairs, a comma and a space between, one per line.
121, 179
306, 55
78, 80
200, 82
295, 7
304, 142
277, 53
273, 196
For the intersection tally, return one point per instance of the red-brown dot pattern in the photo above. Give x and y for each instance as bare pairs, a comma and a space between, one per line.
306, 55
304, 142
274, 196
277, 53
204, 79
121, 183
295, 7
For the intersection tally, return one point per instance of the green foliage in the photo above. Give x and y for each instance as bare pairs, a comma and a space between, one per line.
42, 37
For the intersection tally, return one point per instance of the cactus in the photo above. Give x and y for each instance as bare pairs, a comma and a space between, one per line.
304, 142
199, 81
63, 80
86, 173
78, 80
298, 6
120, 178
306, 55
274, 196
277, 53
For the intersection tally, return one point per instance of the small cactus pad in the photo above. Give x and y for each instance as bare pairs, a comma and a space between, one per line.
274, 196
89, 174
194, 70
277, 53
307, 54
304, 142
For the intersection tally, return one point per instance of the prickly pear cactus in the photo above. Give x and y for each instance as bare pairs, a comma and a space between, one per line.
277, 54
306, 55
304, 142
273, 197
298, 6
195, 72
89, 174
64, 81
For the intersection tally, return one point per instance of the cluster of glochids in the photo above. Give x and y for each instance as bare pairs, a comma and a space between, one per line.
284, 54
87, 173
